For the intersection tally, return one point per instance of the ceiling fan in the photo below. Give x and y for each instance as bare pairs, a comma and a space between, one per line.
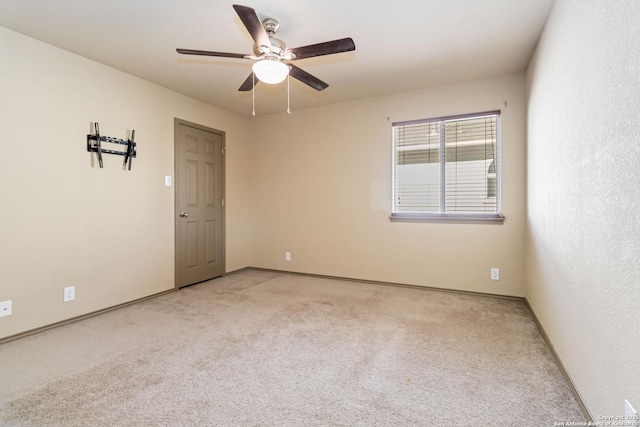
271, 53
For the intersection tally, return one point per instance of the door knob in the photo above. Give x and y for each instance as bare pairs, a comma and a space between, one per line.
184, 214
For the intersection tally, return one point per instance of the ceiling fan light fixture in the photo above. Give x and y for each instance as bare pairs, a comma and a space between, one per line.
270, 71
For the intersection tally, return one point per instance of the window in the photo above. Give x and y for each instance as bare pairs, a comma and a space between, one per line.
447, 169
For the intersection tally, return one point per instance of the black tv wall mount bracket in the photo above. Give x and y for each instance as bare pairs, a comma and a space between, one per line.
94, 144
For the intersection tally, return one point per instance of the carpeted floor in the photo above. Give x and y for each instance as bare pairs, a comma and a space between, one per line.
266, 349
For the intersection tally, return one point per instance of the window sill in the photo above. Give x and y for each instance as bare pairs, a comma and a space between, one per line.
448, 218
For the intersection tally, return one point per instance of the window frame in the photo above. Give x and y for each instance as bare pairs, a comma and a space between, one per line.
450, 217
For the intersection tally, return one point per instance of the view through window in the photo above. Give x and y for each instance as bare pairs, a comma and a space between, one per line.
447, 168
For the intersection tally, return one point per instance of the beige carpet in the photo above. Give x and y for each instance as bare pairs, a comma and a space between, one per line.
265, 349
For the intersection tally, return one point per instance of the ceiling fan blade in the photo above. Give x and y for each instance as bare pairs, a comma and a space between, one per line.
248, 84
210, 53
306, 78
326, 48
250, 19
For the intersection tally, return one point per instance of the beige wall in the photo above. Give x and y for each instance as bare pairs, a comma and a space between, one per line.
583, 235
63, 220
321, 189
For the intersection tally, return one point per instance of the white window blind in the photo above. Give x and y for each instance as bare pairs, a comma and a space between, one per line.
447, 168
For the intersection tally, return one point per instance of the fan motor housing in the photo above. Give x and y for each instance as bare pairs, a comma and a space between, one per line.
277, 47
271, 26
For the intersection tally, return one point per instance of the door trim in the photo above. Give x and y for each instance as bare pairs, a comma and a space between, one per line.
176, 124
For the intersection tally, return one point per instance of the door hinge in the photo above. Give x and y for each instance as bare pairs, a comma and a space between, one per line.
223, 151
223, 202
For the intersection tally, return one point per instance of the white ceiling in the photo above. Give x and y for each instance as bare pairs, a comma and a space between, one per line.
400, 45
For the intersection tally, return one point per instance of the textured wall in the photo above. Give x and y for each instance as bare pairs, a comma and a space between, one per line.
321, 189
583, 237
65, 222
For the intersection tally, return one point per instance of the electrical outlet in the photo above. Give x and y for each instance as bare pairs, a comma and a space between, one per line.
6, 308
495, 274
630, 415
69, 293
287, 256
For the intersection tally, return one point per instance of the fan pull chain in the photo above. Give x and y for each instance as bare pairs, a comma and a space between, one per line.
288, 95
253, 93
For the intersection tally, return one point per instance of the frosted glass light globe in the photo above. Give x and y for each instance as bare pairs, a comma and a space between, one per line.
270, 71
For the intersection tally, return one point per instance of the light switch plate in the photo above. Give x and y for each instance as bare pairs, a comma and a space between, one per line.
168, 181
